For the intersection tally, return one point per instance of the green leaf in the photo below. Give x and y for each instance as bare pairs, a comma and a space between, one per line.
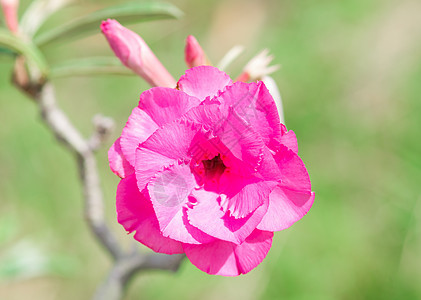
38, 12
89, 67
132, 12
27, 49
6, 51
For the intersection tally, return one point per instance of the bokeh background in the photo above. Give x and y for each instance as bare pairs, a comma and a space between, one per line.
350, 79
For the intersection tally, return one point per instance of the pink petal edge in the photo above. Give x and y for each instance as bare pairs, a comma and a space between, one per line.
135, 213
203, 82
169, 191
208, 216
157, 107
118, 163
227, 259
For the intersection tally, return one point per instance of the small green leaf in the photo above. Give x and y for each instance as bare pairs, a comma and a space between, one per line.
6, 51
89, 67
27, 49
38, 12
133, 12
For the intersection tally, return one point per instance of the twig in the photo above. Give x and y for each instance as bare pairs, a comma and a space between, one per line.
103, 127
124, 269
126, 263
65, 132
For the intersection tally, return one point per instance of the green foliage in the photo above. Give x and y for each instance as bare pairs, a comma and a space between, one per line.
6, 51
132, 12
11, 42
89, 67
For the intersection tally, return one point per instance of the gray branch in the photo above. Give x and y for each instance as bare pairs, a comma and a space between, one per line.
125, 268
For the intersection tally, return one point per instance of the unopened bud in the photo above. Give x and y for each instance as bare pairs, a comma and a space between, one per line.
10, 11
135, 54
194, 54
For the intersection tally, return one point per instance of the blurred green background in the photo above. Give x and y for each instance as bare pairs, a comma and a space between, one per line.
350, 79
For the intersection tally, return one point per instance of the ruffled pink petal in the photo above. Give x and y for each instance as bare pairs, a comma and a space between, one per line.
294, 173
216, 258
135, 213
118, 163
241, 140
252, 252
138, 128
240, 146
243, 194
228, 259
210, 115
157, 107
164, 105
253, 103
169, 191
285, 208
293, 197
148, 163
268, 169
173, 140
289, 139
203, 81
208, 216
166, 146
203, 147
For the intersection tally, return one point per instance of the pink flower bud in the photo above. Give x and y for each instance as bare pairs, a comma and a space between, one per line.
10, 11
135, 54
194, 54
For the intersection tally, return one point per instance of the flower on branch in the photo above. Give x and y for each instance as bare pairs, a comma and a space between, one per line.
207, 169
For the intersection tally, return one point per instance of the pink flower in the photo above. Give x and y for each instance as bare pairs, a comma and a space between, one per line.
10, 11
135, 54
194, 54
208, 170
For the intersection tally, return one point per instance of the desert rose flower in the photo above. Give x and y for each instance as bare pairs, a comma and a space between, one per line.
194, 54
208, 170
10, 11
135, 54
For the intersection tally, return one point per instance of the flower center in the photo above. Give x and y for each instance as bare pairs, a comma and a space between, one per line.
209, 171
214, 168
